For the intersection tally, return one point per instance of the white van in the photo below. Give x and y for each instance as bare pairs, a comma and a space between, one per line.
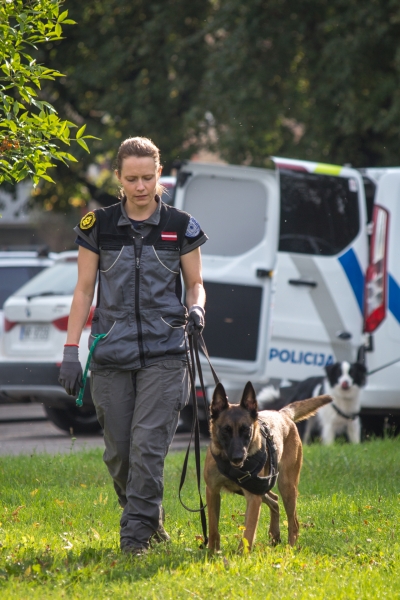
381, 397
322, 259
289, 247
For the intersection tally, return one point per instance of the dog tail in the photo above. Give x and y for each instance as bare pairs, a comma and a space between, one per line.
304, 409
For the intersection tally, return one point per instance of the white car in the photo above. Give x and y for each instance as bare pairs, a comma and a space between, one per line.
16, 268
35, 329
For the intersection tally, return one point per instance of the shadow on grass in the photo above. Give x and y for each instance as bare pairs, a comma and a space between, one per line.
107, 564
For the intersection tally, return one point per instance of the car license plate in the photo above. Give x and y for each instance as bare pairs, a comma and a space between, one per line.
33, 333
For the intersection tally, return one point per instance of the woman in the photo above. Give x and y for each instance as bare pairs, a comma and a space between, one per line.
137, 248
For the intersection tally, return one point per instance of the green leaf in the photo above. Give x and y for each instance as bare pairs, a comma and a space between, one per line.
39, 104
63, 16
24, 173
24, 95
83, 144
47, 178
49, 106
67, 156
80, 132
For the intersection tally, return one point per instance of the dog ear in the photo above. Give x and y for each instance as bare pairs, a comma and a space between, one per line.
333, 372
249, 401
359, 373
219, 401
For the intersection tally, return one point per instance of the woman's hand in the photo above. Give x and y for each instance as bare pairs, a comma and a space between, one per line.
196, 321
71, 371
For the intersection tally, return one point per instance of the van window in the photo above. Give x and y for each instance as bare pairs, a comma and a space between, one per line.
319, 213
232, 212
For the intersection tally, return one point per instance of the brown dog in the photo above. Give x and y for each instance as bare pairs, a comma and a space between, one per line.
236, 435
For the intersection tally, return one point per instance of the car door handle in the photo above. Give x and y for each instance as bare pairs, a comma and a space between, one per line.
306, 282
264, 273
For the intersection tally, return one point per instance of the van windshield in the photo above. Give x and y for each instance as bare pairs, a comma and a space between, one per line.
59, 279
319, 213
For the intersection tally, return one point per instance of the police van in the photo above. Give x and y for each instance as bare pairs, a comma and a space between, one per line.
321, 261
285, 268
381, 398
301, 270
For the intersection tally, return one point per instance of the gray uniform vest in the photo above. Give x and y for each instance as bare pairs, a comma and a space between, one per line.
139, 295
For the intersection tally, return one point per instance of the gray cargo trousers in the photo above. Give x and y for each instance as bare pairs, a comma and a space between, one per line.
138, 411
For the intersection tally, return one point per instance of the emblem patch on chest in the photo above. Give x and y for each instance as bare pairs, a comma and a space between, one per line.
88, 221
169, 236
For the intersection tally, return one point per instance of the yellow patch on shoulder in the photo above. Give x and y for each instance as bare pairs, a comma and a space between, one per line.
88, 221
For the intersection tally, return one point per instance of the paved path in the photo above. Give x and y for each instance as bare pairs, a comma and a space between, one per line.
25, 430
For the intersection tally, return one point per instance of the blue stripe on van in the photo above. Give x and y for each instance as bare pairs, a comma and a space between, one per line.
354, 273
394, 298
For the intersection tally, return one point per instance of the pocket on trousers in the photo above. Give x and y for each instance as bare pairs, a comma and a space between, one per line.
99, 383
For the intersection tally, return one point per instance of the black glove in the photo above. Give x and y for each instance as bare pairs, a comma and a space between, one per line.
71, 371
196, 321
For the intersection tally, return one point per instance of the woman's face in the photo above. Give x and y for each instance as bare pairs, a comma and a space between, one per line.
138, 178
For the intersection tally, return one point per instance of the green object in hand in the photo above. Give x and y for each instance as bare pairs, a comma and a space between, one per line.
97, 338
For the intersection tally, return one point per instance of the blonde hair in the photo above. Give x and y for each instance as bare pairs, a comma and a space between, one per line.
139, 146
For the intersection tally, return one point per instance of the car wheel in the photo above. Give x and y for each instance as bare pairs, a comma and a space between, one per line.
74, 419
186, 421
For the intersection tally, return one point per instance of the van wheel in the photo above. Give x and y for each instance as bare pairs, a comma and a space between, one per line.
73, 419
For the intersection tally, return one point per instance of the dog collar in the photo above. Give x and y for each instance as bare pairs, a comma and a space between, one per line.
247, 476
350, 417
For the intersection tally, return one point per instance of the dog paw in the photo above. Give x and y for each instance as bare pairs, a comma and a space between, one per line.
274, 540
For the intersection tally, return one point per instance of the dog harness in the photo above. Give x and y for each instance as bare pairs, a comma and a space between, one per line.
247, 476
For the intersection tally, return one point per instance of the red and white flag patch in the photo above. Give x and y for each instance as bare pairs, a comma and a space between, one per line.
169, 236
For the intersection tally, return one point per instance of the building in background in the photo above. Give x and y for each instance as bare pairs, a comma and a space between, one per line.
16, 227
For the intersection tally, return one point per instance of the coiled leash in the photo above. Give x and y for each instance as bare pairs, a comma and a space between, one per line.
195, 341
97, 338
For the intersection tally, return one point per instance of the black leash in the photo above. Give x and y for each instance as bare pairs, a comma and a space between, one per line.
383, 367
196, 341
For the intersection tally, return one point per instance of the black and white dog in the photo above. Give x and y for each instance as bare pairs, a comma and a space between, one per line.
343, 382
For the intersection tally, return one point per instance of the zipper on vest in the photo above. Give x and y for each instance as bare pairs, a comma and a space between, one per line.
138, 253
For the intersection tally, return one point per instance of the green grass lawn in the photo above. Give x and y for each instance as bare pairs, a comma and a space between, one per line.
59, 524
